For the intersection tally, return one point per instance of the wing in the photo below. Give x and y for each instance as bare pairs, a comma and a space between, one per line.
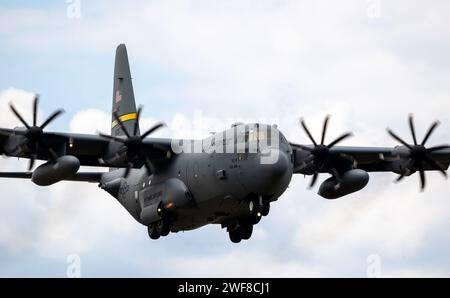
348, 166
382, 159
369, 159
90, 150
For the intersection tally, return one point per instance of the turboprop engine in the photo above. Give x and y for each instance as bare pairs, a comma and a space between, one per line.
51, 172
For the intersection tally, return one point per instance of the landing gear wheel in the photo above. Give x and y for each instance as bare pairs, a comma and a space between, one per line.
235, 235
265, 209
246, 231
163, 227
152, 232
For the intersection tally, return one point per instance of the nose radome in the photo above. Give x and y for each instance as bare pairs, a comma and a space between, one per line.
273, 164
270, 173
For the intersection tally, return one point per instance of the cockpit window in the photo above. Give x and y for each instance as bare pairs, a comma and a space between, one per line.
255, 135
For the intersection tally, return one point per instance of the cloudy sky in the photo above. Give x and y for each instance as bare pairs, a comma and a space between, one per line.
200, 66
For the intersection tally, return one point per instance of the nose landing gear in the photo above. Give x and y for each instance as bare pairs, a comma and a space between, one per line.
259, 206
241, 232
243, 229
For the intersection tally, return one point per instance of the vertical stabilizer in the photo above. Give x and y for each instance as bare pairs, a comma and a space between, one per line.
123, 95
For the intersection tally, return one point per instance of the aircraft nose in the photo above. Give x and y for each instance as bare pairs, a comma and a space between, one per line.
274, 163
274, 172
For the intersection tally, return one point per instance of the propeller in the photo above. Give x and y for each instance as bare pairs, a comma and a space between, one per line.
418, 155
33, 133
320, 153
133, 144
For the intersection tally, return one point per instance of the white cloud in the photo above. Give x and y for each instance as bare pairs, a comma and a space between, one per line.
22, 100
91, 121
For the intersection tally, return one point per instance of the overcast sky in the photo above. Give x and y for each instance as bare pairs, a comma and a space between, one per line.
200, 66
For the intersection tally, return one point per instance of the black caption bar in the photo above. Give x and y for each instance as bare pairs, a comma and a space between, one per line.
234, 287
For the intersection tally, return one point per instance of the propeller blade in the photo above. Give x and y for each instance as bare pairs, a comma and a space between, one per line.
430, 131
398, 138
411, 127
136, 123
13, 109
35, 109
31, 164
437, 148
147, 163
400, 178
154, 128
406, 171
305, 128
314, 180
422, 179
149, 167
127, 170
436, 165
51, 118
340, 139
122, 126
324, 129
120, 140
51, 153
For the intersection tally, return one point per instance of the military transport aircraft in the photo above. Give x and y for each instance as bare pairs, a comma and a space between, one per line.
171, 190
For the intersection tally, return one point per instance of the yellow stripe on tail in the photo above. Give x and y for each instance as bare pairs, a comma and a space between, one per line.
124, 118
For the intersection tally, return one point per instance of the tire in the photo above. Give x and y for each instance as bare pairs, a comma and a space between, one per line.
246, 231
163, 227
152, 232
265, 209
235, 235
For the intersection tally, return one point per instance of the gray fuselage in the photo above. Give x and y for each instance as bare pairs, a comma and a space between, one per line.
212, 187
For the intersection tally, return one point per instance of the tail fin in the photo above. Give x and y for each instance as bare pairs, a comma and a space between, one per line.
123, 95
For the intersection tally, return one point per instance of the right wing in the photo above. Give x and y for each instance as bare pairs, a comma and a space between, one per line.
90, 150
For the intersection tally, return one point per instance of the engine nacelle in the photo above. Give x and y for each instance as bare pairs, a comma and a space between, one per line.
351, 181
399, 160
50, 173
164, 197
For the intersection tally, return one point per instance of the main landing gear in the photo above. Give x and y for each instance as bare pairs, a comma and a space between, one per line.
244, 228
160, 228
259, 206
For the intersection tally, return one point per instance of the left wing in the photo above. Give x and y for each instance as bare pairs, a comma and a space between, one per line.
348, 166
370, 159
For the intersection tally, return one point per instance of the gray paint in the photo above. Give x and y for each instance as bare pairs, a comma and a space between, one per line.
123, 101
